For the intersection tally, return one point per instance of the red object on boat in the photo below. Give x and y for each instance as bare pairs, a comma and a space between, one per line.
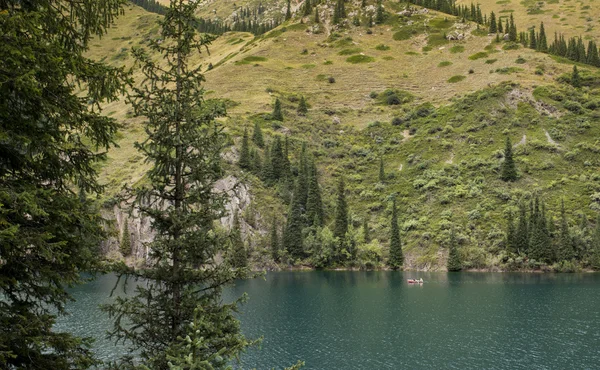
415, 281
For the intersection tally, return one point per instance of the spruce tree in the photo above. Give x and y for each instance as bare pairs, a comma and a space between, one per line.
239, 255
274, 241
302, 107
341, 212
288, 12
543, 43
125, 245
511, 233
245, 160
52, 139
509, 170
532, 39
396, 259
307, 8
512, 31
277, 160
314, 203
575, 77
565, 242
381, 170
257, 136
277, 115
493, 24
184, 148
595, 256
522, 235
292, 238
454, 262
380, 13
500, 27
366, 232
317, 17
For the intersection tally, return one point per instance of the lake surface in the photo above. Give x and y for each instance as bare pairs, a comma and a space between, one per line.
375, 320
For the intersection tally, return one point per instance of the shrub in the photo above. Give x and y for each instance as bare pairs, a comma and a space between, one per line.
445, 63
373, 95
331, 80
457, 49
393, 100
382, 47
357, 59
480, 55
455, 79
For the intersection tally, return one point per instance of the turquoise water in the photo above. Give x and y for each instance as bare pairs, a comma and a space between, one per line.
375, 320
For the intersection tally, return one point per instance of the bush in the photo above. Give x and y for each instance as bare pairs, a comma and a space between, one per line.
358, 59
331, 80
397, 121
455, 79
373, 95
393, 100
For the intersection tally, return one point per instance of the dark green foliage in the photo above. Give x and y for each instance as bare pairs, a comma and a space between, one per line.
380, 13
339, 12
245, 160
292, 237
540, 244
493, 24
454, 261
277, 115
314, 204
341, 212
511, 234
274, 241
238, 253
543, 42
184, 144
302, 107
307, 8
279, 162
575, 77
500, 28
288, 12
522, 235
512, 30
565, 250
317, 17
125, 245
257, 136
396, 259
52, 139
595, 250
509, 169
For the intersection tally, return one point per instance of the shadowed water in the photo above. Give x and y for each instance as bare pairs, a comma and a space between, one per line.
375, 320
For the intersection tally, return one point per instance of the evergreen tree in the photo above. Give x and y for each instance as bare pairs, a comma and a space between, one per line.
239, 255
267, 168
565, 243
575, 77
543, 43
288, 12
511, 233
314, 203
341, 212
307, 8
277, 115
277, 160
302, 107
522, 235
317, 17
292, 238
274, 242
245, 161
125, 246
512, 31
396, 260
52, 139
595, 257
380, 12
366, 232
184, 148
381, 170
509, 170
540, 246
493, 24
532, 39
454, 261
500, 27
257, 136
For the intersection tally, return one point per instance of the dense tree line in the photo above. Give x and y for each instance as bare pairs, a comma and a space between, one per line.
573, 48
539, 236
246, 20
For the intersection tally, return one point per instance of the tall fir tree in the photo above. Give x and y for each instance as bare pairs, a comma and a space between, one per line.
245, 161
543, 42
522, 235
512, 31
288, 11
302, 106
274, 240
292, 239
454, 262
396, 260
595, 253
366, 231
307, 8
125, 246
314, 203
379, 13
493, 24
533, 39
341, 212
184, 148
53, 137
511, 233
509, 169
277, 114
238, 253
565, 242
257, 136
317, 17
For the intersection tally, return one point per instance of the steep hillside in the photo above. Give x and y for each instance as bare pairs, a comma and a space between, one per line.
441, 142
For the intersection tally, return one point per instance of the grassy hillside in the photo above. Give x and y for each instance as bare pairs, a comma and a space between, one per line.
441, 146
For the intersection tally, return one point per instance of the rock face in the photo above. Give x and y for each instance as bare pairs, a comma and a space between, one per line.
140, 228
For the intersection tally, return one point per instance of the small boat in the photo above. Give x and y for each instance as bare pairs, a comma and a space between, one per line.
415, 281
